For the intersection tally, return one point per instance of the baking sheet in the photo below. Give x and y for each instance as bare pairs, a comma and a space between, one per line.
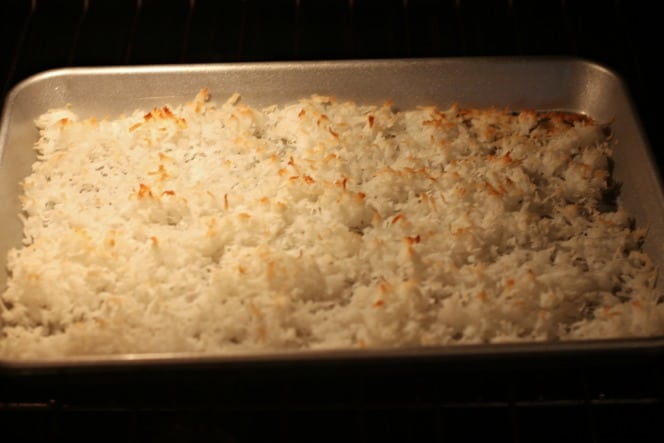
517, 83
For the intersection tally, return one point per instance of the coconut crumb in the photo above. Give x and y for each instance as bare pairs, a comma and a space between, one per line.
341, 225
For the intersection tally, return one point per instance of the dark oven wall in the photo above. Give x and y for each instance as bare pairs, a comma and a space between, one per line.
601, 398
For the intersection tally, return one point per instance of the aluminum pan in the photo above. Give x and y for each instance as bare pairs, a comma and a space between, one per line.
534, 83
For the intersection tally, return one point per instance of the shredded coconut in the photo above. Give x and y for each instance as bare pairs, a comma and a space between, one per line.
317, 225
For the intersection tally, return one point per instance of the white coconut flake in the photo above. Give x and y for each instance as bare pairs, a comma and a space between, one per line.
317, 225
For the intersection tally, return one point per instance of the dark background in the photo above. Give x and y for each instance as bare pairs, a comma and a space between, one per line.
593, 397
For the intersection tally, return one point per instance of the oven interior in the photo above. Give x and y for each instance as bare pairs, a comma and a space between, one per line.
599, 397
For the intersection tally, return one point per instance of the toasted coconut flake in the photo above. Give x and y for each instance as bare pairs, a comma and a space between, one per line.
342, 225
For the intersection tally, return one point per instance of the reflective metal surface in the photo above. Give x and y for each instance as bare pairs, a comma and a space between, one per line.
517, 83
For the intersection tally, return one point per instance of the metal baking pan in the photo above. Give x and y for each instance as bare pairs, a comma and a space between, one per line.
533, 83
